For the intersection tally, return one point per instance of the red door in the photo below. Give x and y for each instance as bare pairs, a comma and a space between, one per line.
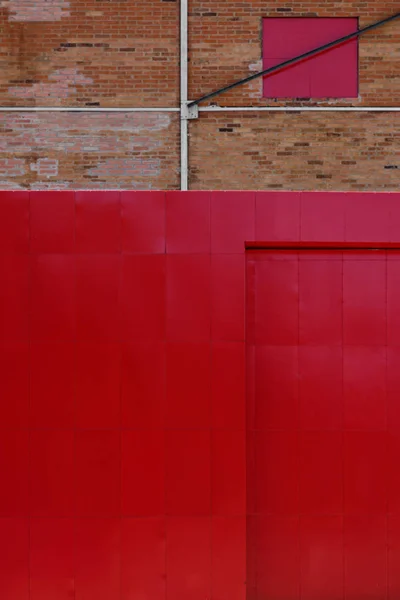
323, 424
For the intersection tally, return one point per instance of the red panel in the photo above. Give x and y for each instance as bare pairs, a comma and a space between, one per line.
277, 484
393, 471
329, 81
52, 222
14, 473
188, 476
228, 484
143, 385
98, 468
143, 473
188, 558
291, 82
232, 221
98, 222
321, 551
14, 384
98, 384
365, 473
277, 313
143, 553
188, 297
188, 222
320, 302
367, 218
278, 560
143, 297
228, 400
393, 538
321, 472
318, 76
14, 221
364, 314
365, 553
97, 295
277, 216
228, 558
14, 559
322, 217
52, 381
52, 473
98, 559
14, 298
276, 387
227, 297
393, 298
188, 385
53, 298
364, 397
143, 222
52, 559
320, 387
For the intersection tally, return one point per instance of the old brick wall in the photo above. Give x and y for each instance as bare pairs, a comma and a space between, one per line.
300, 151
92, 151
89, 53
97, 53
225, 42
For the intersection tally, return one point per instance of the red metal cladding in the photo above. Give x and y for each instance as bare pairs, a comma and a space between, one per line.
184, 409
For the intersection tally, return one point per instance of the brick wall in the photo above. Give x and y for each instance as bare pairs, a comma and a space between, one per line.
225, 42
88, 53
80, 150
300, 151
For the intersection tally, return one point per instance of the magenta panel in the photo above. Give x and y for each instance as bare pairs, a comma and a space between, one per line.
333, 73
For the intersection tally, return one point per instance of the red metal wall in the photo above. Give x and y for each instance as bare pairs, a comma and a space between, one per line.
122, 383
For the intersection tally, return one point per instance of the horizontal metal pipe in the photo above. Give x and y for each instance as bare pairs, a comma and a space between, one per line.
83, 109
208, 109
300, 108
